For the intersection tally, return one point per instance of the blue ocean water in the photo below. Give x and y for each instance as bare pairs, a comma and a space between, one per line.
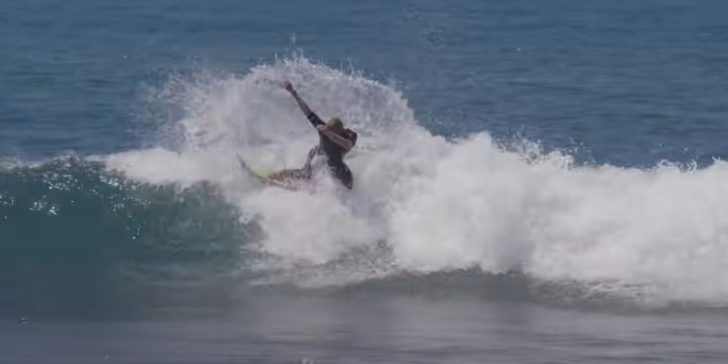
536, 181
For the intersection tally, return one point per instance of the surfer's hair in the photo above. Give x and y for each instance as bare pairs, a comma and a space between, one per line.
335, 125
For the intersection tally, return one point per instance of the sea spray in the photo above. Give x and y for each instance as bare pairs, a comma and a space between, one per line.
437, 204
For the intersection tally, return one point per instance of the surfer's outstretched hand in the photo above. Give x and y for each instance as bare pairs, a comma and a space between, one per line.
302, 104
288, 86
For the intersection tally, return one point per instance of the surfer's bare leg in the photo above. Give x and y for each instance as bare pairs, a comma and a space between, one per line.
291, 174
302, 173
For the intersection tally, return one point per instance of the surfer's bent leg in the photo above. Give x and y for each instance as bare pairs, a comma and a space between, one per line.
302, 173
288, 174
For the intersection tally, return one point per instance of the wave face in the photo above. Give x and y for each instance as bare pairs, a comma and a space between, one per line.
425, 208
101, 217
69, 230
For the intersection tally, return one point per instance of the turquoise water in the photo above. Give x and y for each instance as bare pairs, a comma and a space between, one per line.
526, 171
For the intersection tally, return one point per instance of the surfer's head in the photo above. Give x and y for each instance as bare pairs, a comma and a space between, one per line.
335, 125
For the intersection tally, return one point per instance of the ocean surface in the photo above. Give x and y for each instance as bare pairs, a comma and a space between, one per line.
536, 182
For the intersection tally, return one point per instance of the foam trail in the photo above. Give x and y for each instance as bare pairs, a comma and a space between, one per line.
440, 204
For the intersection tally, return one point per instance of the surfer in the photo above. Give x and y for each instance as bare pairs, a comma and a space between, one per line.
334, 142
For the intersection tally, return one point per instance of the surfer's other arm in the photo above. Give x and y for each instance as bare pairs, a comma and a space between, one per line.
347, 142
312, 117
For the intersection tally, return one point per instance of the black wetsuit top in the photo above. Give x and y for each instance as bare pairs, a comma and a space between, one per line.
334, 153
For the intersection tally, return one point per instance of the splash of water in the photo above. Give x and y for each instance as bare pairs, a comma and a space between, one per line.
439, 204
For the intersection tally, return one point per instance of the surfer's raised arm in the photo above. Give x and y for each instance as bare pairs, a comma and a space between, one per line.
335, 141
312, 117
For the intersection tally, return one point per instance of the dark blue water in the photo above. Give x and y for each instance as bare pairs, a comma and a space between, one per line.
536, 182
